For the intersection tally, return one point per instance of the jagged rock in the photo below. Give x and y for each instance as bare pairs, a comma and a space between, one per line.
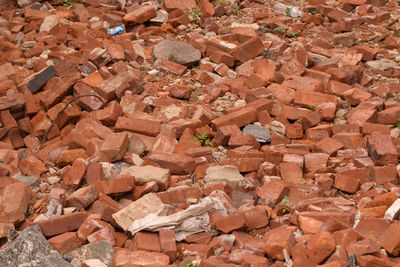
31, 248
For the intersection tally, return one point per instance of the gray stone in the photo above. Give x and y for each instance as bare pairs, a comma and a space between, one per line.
29, 180
226, 173
86, 69
260, 133
100, 250
36, 6
382, 64
161, 17
120, 165
179, 52
31, 249
41, 79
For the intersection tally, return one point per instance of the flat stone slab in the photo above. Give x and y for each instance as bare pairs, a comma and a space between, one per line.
179, 52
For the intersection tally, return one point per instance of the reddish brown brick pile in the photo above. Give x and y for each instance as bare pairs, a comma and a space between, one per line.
323, 89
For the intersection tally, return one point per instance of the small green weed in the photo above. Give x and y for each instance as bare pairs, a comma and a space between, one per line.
187, 263
312, 107
70, 2
303, 181
171, 56
280, 29
398, 34
195, 15
221, 2
287, 201
398, 123
294, 34
235, 8
204, 139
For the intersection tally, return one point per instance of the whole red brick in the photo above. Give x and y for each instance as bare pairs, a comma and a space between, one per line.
115, 146
32, 166
390, 239
381, 149
65, 242
126, 258
231, 222
147, 241
168, 243
61, 224
248, 50
320, 246
278, 239
240, 118
76, 172
14, 203
82, 197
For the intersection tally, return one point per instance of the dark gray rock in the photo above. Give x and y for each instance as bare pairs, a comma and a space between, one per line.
179, 52
260, 133
41, 79
101, 250
29, 180
120, 165
31, 248
86, 69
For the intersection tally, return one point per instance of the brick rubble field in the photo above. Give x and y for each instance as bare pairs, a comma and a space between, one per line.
207, 133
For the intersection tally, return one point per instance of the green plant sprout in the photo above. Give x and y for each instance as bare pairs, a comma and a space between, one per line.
303, 181
280, 29
187, 263
171, 56
235, 8
204, 139
398, 123
70, 2
312, 107
294, 34
398, 34
195, 14
287, 201
222, 2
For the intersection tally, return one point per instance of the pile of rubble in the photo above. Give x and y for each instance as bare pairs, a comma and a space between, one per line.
205, 133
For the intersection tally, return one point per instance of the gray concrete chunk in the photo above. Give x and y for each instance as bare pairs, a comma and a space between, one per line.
31, 248
260, 133
100, 250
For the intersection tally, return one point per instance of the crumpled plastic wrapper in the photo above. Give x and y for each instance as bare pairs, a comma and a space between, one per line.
193, 220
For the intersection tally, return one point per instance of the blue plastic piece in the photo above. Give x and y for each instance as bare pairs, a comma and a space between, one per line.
116, 30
